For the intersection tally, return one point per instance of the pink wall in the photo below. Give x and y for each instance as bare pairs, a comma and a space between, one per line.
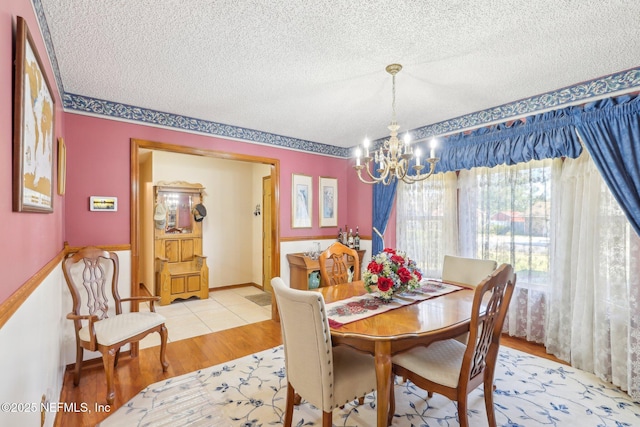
29, 240
98, 164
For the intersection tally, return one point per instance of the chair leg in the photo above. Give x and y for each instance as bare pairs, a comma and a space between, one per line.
488, 403
327, 419
108, 359
76, 370
115, 362
462, 412
288, 412
163, 347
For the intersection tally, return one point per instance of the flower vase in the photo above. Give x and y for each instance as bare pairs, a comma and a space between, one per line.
314, 280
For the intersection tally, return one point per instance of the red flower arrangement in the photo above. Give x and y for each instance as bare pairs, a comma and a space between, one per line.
390, 272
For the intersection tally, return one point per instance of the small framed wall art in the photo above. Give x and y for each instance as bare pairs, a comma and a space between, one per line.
301, 196
328, 201
103, 203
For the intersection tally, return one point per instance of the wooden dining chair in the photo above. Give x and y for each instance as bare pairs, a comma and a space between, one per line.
336, 271
467, 271
91, 269
327, 377
453, 369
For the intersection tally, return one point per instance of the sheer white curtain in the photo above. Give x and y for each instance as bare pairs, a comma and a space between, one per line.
426, 221
575, 254
505, 216
595, 280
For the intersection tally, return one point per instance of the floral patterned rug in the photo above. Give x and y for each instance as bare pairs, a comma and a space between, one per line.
251, 391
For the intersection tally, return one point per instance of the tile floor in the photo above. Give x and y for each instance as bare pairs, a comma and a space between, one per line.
224, 309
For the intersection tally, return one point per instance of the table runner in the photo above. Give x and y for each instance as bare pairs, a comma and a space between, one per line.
363, 306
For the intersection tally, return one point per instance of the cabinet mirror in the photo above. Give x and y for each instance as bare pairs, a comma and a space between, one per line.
179, 207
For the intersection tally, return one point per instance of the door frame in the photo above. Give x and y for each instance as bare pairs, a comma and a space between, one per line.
266, 285
138, 144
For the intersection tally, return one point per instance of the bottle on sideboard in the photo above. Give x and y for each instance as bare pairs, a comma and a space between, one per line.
344, 236
356, 240
350, 241
340, 236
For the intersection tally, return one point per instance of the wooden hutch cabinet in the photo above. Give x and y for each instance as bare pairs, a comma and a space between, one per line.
181, 269
301, 267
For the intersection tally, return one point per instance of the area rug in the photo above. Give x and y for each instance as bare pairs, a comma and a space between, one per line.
250, 392
260, 299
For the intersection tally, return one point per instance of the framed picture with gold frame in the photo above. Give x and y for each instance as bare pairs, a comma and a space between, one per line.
33, 138
301, 199
62, 166
328, 201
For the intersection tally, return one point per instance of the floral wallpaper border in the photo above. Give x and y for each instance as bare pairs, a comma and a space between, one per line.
610, 84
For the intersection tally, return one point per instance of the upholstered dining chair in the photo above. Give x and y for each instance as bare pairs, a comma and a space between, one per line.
468, 271
325, 376
339, 272
453, 369
96, 272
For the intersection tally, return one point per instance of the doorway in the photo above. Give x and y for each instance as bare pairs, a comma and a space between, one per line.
138, 202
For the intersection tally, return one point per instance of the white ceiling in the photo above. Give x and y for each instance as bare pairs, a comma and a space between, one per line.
315, 69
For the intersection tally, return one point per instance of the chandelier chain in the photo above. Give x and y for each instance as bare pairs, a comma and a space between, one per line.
393, 102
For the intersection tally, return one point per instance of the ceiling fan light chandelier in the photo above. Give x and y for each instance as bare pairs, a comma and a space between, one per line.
394, 156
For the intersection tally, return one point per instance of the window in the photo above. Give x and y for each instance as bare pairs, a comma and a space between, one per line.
574, 252
505, 214
426, 223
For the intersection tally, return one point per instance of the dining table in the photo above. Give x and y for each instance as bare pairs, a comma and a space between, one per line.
399, 329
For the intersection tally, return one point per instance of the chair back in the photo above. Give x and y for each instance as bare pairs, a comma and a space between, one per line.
339, 272
307, 342
468, 271
93, 270
490, 303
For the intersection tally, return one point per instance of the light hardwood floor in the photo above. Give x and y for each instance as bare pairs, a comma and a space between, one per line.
187, 355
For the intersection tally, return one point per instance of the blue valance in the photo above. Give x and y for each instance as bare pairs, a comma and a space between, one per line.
546, 135
609, 128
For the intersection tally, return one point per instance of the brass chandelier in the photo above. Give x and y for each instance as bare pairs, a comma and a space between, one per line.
394, 156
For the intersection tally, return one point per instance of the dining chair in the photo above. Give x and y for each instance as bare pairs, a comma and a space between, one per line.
453, 369
91, 269
468, 271
327, 377
339, 271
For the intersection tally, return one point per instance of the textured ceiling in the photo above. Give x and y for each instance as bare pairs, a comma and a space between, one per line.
315, 69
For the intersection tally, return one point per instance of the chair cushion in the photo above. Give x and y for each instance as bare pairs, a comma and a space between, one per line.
440, 362
354, 375
114, 329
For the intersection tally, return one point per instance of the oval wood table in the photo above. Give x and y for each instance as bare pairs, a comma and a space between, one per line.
393, 331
